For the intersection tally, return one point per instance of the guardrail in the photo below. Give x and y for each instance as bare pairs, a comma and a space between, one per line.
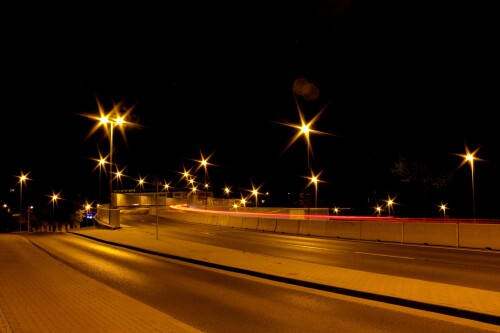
458, 233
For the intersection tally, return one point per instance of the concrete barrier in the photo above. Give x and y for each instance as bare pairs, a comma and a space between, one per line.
445, 234
107, 217
480, 236
470, 235
382, 231
312, 227
235, 221
223, 220
287, 226
267, 224
249, 222
343, 229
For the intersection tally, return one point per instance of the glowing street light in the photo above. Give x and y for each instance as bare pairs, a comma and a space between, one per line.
203, 163
114, 118
141, 183
443, 208
100, 164
87, 211
54, 199
22, 179
314, 179
390, 202
256, 193
118, 176
470, 157
227, 191
378, 210
305, 129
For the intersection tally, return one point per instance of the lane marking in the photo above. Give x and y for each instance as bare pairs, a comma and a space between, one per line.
311, 247
384, 255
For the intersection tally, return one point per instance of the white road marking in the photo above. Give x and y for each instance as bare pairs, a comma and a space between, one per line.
384, 255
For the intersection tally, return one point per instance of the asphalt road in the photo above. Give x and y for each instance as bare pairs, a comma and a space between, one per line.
216, 301
463, 267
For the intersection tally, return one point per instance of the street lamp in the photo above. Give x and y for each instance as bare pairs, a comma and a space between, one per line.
118, 176
254, 192
390, 202
443, 208
314, 179
100, 164
22, 179
115, 118
470, 157
227, 191
203, 164
104, 120
141, 183
87, 209
305, 128
29, 211
54, 199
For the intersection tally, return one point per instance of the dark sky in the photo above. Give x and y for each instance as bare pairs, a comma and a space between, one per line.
394, 79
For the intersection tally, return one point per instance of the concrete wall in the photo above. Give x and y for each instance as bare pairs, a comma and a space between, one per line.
382, 231
470, 235
431, 233
107, 217
267, 224
343, 229
480, 236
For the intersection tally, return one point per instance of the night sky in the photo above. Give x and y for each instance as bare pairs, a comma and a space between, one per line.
402, 86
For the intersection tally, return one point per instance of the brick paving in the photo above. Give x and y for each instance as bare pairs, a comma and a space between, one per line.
77, 306
40, 294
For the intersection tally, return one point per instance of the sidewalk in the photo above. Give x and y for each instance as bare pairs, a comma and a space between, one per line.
463, 302
42, 295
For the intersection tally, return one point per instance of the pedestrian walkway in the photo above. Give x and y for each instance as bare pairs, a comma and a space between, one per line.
464, 302
40, 294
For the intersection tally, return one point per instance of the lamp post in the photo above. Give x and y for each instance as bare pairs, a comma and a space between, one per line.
157, 183
390, 202
141, 183
443, 208
305, 128
117, 120
22, 179
470, 157
29, 211
102, 161
55, 197
314, 179
204, 164
254, 192
114, 117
